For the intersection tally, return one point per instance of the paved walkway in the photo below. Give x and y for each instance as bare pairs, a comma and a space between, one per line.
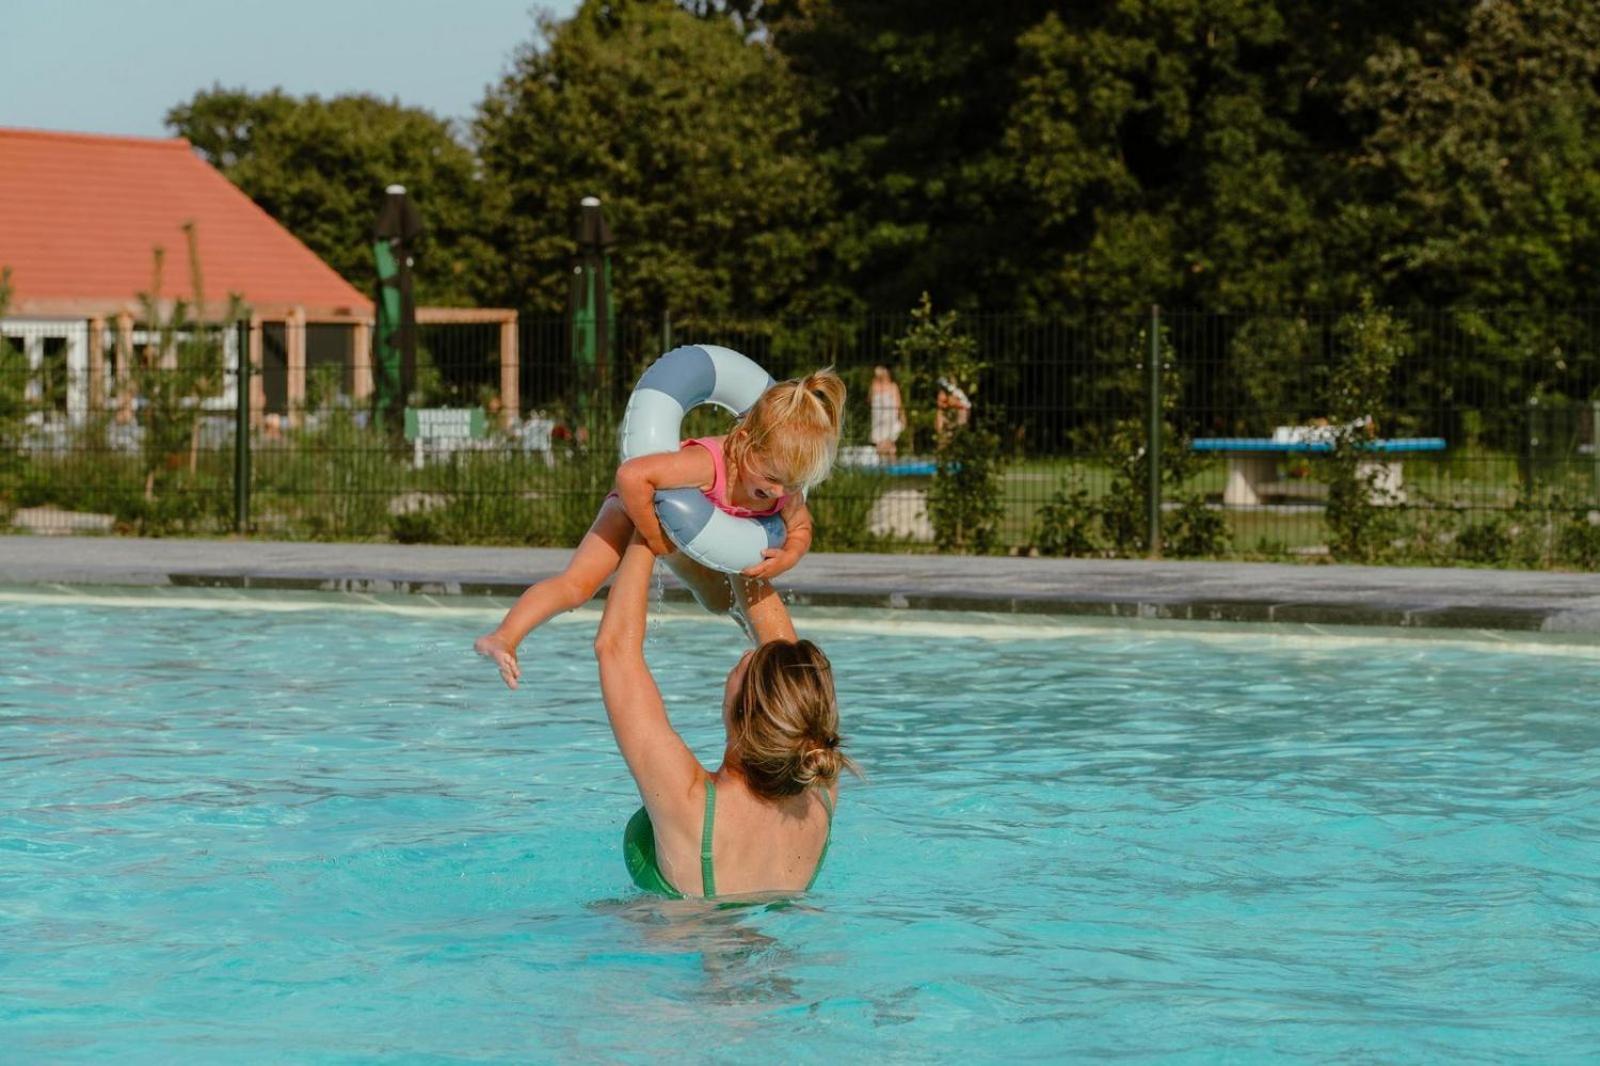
1227, 592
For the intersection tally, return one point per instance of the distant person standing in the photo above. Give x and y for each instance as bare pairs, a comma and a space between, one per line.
888, 416
952, 409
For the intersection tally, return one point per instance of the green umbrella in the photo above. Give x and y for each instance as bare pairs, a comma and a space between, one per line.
394, 344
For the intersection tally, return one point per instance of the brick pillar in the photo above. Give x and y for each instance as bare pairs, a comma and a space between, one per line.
97, 365
361, 363
258, 384
124, 367
510, 370
295, 341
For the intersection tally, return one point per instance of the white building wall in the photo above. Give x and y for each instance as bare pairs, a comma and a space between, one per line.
30, 334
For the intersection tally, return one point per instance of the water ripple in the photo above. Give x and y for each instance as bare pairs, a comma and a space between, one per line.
323, 835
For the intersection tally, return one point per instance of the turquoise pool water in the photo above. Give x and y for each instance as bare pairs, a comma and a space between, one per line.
328, 835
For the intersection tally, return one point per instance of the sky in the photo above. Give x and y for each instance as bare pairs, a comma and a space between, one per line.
117, 66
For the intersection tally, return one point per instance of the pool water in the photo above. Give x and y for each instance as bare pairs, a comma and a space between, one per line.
327, 833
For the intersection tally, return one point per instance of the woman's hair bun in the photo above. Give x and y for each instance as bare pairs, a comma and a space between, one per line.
785, 720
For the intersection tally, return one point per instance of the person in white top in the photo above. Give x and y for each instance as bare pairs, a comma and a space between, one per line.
888, 418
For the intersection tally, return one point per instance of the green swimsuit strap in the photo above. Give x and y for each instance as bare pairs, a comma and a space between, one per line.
827, 803
708, 876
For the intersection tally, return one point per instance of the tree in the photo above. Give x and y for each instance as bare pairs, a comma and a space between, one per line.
1370, 345
320, 168
1478, 181
910, 107
1160, 144
964, 502
692, 137
1477, 186
180, 367
1036, 156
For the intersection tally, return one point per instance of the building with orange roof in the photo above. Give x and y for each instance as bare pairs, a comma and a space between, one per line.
80, 218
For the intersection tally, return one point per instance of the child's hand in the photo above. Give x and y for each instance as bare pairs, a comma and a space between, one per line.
775, 561
504, 656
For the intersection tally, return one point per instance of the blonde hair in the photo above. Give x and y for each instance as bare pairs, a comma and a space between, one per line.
784, 725
794, 426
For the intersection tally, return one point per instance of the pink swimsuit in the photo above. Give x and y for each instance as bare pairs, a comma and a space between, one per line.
718, 492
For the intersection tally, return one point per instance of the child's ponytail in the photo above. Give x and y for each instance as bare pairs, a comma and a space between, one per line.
827, 389
795, 424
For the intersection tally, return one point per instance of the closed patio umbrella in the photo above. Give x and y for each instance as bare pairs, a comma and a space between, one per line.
593, 320
394, 344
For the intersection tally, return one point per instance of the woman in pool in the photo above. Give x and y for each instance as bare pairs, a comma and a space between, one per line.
760, 822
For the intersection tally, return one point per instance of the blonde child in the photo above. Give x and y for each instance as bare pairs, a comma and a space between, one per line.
781, 447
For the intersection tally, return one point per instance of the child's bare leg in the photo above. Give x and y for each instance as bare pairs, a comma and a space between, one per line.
761, 611
710, 588
595, 559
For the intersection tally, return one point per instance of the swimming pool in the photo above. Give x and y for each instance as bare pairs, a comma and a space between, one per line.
300, 830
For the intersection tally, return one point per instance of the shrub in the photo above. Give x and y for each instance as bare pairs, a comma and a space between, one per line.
1189, 527
1579, 542
13, 409
333, 482
182, 367
964, 504
1068, 525
1488, 542
1362, 523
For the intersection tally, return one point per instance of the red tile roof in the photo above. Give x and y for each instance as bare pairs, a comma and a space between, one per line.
80, 215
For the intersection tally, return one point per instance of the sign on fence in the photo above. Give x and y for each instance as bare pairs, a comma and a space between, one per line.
446, 423
436, 432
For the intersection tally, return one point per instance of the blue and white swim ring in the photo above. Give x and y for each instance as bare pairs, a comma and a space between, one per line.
675, 384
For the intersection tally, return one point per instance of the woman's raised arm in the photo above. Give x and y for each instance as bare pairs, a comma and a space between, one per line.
661, 763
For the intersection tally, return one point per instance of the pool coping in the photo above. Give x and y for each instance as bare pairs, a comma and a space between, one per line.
1274, 593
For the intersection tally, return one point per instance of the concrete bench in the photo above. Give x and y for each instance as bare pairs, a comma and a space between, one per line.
1253, 463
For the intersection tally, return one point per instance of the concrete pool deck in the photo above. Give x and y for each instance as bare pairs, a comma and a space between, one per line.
1210, 592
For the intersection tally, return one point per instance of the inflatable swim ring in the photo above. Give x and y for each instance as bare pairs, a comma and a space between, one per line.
678, 382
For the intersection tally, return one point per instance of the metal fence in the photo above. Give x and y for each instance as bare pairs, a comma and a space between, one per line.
1103, 434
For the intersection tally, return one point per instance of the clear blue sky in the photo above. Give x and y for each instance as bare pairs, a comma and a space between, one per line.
116, 66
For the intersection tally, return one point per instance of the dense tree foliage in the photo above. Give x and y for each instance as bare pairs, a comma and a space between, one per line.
693, 137
1157, 149
1479, 180
795, 156
321, 166
912, 105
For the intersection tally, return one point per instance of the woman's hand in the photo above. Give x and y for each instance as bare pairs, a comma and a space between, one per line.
622, 623
774, 562
494, 647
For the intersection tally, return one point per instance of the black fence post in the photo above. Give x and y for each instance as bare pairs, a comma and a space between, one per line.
1153, 435
241, 430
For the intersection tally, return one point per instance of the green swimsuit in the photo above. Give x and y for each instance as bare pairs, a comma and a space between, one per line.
639, 849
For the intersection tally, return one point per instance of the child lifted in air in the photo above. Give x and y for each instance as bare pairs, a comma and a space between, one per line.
781, 447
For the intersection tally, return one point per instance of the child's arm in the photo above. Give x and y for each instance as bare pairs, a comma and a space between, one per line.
638, 479
797, 520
